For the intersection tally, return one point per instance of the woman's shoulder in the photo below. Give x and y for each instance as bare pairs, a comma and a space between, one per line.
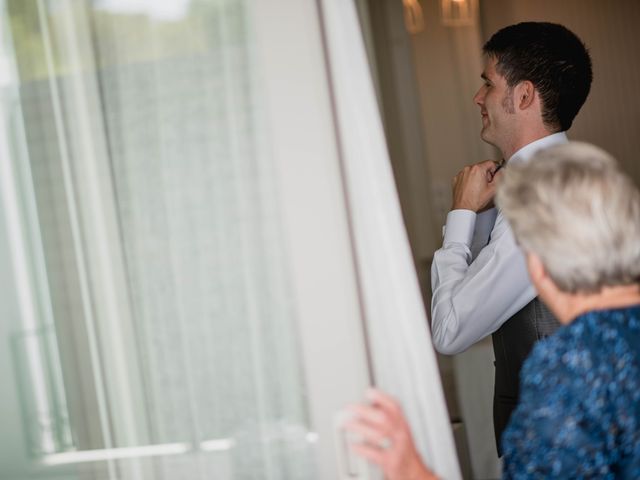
609, 333
594, 330
598, 344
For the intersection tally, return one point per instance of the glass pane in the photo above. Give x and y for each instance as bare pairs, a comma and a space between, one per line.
163, 341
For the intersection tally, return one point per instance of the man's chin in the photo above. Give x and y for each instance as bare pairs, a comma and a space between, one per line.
488, 138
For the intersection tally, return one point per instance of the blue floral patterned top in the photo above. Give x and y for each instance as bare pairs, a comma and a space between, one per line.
579, 410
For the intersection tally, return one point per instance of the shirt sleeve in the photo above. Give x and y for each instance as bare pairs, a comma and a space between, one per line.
473, 297
482, 231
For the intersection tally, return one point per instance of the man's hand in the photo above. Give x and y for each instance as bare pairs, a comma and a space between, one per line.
475, 185
385, 438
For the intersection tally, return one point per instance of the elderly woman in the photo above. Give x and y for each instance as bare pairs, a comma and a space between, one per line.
577, 218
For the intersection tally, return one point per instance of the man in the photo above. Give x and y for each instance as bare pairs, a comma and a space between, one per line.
536, 78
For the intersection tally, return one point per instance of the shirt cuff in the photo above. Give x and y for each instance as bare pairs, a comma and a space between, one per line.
459, 227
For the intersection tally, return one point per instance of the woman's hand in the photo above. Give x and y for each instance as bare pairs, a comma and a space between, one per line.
384, 438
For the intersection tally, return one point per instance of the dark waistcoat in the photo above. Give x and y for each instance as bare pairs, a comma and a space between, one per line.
512, 342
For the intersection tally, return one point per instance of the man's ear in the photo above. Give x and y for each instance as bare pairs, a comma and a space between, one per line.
524, 94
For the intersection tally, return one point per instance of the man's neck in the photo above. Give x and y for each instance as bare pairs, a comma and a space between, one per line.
526, 137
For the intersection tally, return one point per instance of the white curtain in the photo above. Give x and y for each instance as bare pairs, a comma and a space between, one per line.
154, 184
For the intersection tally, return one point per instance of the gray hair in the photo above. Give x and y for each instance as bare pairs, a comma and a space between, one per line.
573, 207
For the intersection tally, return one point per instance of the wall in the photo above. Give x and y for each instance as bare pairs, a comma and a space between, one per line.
395, 76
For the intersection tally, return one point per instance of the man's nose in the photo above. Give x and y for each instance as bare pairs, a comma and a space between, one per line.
478, 98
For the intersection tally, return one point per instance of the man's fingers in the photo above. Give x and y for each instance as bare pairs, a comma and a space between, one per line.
473, 187
488, 164
489, 175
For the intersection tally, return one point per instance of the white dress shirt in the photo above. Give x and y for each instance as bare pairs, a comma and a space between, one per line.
479, 276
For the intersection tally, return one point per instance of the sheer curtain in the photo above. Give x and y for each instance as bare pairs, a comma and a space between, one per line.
403, 358
162, 241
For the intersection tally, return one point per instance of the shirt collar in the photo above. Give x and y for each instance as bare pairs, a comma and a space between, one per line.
526, 152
